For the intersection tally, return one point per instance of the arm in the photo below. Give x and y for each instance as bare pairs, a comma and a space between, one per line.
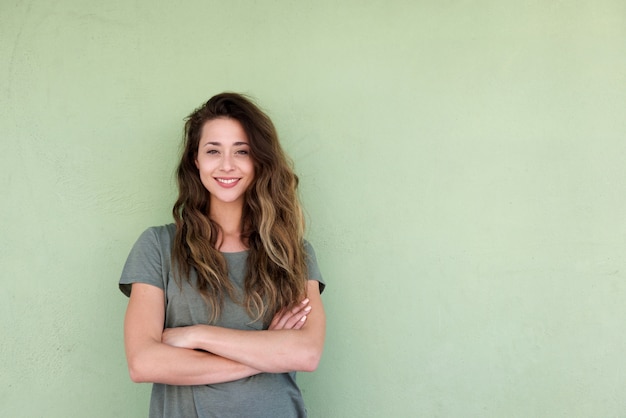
272, 351
149, 360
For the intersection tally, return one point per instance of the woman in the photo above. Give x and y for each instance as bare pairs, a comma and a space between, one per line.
225, 304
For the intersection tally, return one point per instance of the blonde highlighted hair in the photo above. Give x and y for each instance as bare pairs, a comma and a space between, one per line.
272, 218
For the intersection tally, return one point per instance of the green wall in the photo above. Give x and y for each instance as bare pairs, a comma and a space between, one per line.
462, 165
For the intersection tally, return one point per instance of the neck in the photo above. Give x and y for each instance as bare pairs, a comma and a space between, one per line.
228, 217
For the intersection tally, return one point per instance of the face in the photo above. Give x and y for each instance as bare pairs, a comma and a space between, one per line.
224, 162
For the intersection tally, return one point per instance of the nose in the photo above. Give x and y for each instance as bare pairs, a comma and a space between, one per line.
227, 162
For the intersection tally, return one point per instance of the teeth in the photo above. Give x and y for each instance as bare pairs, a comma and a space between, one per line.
227, 181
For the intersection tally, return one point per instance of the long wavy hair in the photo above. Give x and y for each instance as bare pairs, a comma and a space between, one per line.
272, 218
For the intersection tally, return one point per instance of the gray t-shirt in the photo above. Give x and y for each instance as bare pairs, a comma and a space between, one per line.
274, 395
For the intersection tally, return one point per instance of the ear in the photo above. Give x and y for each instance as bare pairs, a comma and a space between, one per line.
195, 160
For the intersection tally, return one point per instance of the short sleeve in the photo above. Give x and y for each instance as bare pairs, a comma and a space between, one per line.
311, 263
144, 263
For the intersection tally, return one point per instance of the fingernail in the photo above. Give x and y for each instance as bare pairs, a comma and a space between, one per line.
307, 309
303, 318
305, 301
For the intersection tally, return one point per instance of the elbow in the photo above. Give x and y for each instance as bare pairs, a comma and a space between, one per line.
309, 366
137, 372
135, 375
311, 360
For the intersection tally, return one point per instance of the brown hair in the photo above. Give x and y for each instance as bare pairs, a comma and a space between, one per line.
273, 223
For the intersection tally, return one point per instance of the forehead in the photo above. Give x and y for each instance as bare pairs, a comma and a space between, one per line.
223, 131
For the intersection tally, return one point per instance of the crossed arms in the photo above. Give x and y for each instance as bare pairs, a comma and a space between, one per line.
294, 342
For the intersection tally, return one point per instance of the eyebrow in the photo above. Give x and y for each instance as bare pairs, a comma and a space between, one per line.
236, 144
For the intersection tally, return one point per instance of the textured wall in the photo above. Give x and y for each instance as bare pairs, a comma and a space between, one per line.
462, 164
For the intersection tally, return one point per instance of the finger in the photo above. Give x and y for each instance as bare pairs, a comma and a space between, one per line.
283, 318
287, 318
294, 311
276, 319
300, 307
300, 323
295, 319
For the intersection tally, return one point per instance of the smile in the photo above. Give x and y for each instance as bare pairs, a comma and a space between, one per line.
227, 181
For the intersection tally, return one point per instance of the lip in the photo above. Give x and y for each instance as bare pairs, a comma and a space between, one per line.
227, 182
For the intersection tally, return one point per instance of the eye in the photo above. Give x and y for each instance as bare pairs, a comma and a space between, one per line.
242, 152
212, 151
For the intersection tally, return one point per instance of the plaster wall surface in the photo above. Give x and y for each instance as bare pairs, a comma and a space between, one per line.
461, 163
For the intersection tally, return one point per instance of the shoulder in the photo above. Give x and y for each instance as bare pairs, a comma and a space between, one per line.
161, 231
149, 259
154, 245
308, 248
159, 236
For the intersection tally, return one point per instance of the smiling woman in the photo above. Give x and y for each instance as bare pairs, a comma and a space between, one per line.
225, 303
224, 162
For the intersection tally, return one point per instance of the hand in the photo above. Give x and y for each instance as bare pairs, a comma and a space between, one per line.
178, 337
292, 317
